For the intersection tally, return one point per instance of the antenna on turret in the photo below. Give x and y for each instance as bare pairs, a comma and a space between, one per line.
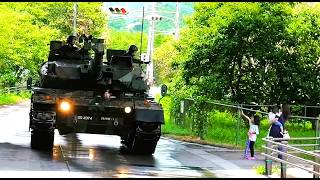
141, 30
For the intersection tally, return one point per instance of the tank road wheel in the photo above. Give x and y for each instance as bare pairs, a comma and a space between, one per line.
143, 140
140, 146
42, 140
135, 144
126, 142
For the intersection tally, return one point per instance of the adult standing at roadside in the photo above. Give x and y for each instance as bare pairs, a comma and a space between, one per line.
275, 130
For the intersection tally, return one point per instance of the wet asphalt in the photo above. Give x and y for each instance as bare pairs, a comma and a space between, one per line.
96, 155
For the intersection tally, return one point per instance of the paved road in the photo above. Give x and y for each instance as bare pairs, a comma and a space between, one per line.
91, 155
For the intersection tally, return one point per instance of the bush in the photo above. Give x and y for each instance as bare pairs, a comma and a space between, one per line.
12, 98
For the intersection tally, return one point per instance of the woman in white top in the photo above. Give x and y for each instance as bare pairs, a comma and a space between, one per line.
273, 117
254, 123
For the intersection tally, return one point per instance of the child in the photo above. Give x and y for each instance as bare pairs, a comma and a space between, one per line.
273, 116
254, 123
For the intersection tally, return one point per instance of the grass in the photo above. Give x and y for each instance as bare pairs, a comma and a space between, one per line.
262, 169
169, 128
13, 98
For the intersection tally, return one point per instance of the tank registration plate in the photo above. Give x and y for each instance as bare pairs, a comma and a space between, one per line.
88, 118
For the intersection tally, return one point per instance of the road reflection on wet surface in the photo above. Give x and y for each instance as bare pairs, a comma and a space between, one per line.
101, 155
93, 155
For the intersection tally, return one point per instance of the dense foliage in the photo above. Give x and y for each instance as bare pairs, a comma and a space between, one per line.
249, 52
123, 39
245, 52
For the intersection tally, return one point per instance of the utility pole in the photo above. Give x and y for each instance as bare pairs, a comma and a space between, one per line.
75, 7
150, 44
177, 21
151, 34
141, 31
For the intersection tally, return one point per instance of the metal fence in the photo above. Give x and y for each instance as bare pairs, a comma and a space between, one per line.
239, 128
277, 149
16, 89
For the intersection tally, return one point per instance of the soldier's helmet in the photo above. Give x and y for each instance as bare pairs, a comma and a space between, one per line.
133, 49
71, 39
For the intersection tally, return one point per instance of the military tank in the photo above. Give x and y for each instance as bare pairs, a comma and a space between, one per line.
80, 90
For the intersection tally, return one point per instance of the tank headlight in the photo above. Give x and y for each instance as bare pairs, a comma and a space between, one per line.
65, 106
127, 109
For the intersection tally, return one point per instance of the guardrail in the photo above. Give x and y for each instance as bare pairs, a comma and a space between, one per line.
281, 151
13, 89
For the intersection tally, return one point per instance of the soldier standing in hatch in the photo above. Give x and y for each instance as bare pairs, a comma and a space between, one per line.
133, 49
70, 50
137, 70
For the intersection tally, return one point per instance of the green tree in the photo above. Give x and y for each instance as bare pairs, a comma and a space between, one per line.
246, 52
122, 40
261, 52
23, 45
91, 19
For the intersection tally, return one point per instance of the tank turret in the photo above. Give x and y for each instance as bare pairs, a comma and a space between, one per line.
70, 67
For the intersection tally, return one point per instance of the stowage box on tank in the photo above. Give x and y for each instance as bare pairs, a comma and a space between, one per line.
80, 92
